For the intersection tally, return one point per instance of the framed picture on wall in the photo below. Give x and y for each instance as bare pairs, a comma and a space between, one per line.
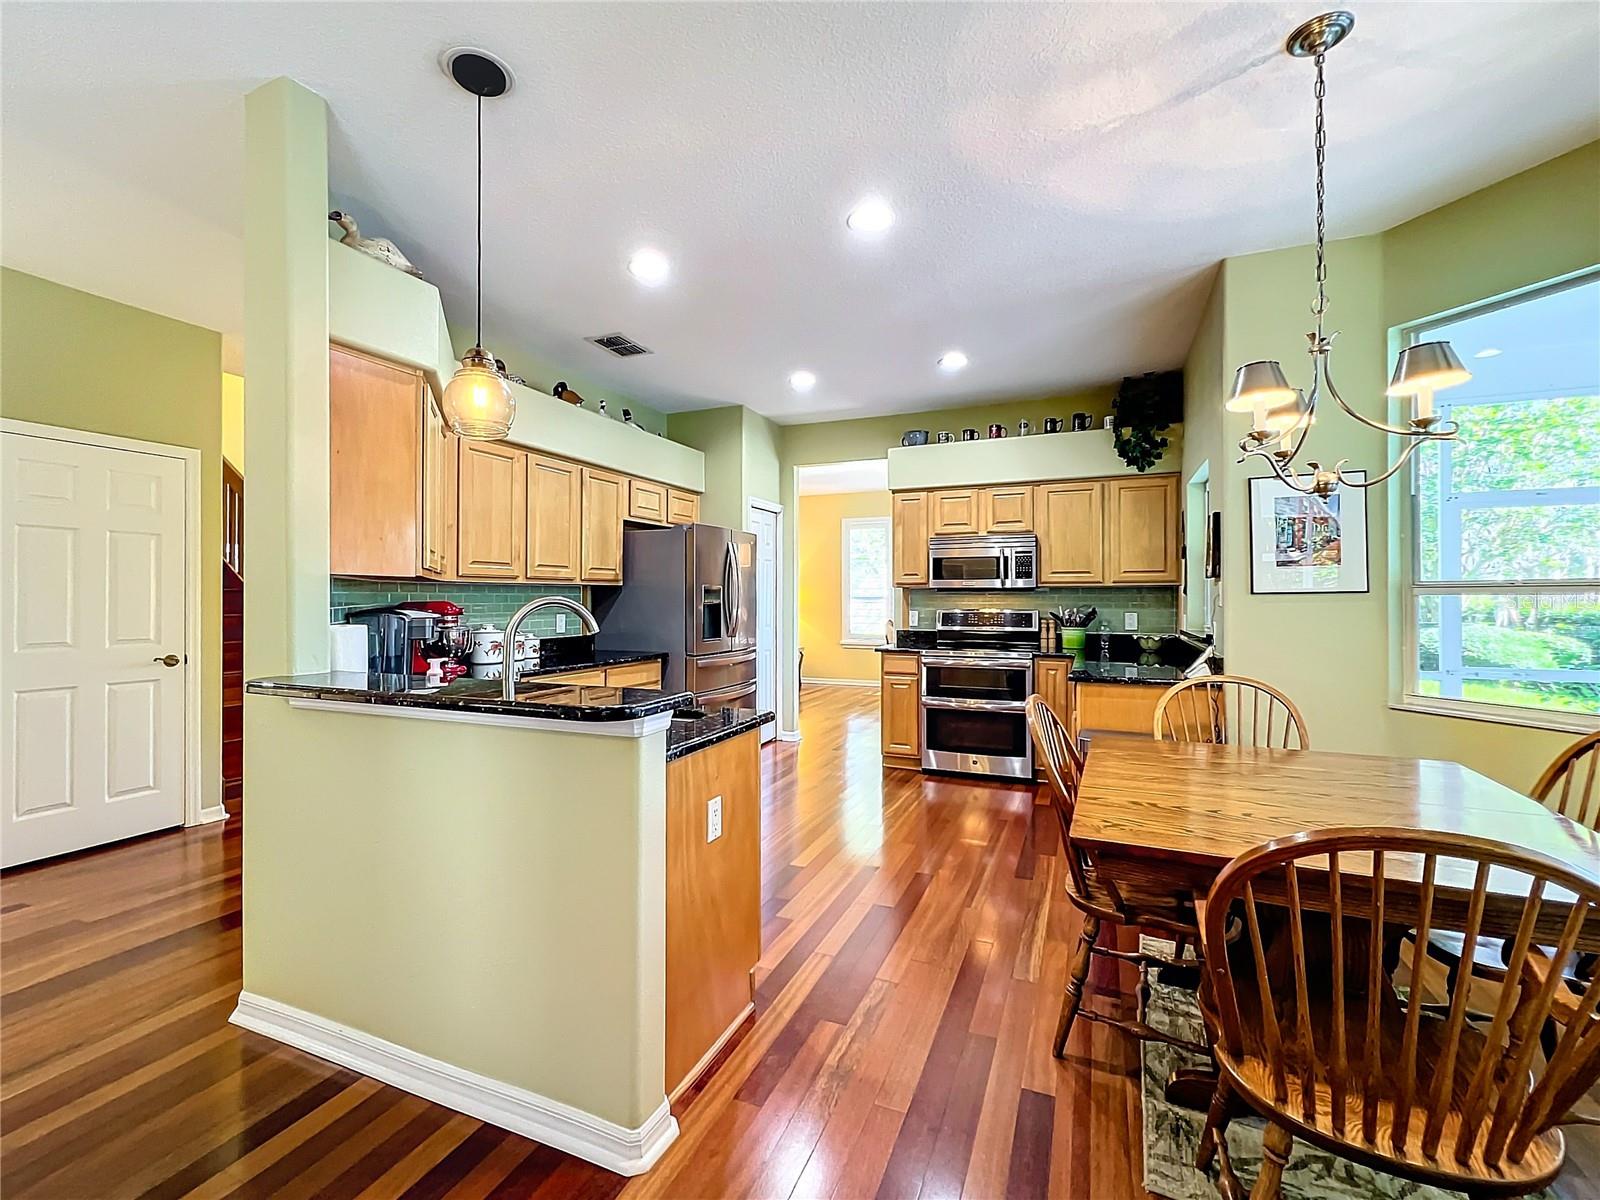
1304, 543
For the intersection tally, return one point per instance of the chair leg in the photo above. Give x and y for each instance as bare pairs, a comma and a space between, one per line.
1077, 972
1218, 1117
1179, 944
1274, 1158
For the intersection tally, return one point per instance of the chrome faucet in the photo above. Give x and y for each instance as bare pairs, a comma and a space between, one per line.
508, 676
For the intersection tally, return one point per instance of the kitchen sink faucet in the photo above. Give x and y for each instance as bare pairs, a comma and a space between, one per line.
508, 676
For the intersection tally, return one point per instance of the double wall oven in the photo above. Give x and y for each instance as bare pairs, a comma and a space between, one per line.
976, 681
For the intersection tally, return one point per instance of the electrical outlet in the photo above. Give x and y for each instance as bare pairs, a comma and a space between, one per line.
914, 615
561, 622
1130, 621
713, 818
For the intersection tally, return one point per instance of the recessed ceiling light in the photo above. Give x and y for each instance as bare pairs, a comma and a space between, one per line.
871, 215
649, 267
952, 361
802, 381
1491, 352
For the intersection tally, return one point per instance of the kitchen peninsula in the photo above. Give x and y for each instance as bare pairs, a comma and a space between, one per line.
540, 911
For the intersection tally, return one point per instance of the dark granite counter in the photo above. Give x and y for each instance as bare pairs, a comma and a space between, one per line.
594, 660
1096, 671
690, 733
545, 701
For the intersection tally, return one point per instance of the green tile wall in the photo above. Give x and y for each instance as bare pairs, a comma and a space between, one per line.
485, 603
1157, 606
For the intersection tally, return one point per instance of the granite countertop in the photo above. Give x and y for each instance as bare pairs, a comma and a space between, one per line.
547, 701
1096, 671
594, 660
689, 734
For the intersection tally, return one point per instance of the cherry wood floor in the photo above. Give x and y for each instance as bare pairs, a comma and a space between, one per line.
916, 938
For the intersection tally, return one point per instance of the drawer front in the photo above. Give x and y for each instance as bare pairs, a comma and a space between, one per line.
899, 664
595, 678
639, 675
647, 502
723, 671
683, 508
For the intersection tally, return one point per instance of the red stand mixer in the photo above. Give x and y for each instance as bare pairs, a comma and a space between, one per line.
451, 641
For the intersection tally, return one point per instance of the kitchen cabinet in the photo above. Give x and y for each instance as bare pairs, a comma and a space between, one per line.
1117, 707
1052, 679
491, 515
647, 502
955, 510
634, 675
375, 468
438, 490
1071, 532
909, 531
683, 508
604, 501
1141, 521
555, 534
901, 717
1006, 509
592, 677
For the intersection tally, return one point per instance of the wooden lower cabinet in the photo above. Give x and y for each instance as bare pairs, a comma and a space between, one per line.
491, 517
1052, 680
1115, 707
634, 675
713, 901
901, 716
605, 500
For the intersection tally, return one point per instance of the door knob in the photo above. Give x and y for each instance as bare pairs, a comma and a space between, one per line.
168, 660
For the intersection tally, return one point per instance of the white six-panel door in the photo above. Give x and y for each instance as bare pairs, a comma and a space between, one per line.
92, 613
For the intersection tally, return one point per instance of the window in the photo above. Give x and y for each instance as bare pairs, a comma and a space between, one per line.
1504, 611
864, 580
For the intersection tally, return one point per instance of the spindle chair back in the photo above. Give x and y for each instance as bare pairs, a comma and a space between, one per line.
1571, 784
1230, 709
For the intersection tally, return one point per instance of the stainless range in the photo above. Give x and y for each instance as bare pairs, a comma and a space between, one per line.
976, 681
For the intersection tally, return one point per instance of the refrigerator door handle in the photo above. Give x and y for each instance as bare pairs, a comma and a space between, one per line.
730, 589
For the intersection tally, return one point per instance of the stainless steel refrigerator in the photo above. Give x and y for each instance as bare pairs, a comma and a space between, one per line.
689, 591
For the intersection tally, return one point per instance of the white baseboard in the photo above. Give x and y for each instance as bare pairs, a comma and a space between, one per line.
594, 1139
870, 683
210, 815
788, 735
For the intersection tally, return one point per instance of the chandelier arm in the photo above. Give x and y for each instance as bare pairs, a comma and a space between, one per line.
1411, 447
1443, 432
1279, 468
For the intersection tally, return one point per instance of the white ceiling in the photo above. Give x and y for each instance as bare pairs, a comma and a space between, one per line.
1065, 175
865, 475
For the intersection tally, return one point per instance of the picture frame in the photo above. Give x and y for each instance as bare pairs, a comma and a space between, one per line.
1213, 559
1302, 544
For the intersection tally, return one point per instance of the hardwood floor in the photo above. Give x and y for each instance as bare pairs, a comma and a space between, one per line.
916, 937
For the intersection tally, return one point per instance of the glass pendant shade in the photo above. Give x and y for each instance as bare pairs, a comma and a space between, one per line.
478, 404
1426, 367
1259, 383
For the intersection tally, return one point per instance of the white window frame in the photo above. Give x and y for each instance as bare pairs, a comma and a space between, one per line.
846, 525
1416, 587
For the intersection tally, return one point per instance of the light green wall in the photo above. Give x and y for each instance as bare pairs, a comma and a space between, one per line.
1338, 656
718, 433
1203, 394
436, 885
79, 361
762, 440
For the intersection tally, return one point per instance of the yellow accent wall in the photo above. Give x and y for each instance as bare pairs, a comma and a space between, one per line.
821, 584
84, 362
233, 419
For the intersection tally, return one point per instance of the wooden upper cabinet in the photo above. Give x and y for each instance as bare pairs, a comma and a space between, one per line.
647, 502
555, 534
909, 529
375, 415
1007, 509
1071, 532
491, 518
1142, 529
605, 500
438, 490
683, 508
955, 510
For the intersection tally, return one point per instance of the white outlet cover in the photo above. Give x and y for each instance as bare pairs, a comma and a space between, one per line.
561, 622
914, 615
713, 818
1130, 620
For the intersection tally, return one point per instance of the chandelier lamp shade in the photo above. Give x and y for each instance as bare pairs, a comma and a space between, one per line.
1281, 414
477, 402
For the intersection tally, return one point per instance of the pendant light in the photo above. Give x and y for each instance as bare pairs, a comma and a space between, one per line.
1281, 414
477, 402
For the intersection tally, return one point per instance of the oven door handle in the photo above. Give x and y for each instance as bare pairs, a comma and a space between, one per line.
934, 660
955, 703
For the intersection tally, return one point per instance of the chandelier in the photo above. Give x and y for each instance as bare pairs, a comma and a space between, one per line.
1282, 415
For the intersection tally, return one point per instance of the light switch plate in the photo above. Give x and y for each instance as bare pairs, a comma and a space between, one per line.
1130, 620
713, 819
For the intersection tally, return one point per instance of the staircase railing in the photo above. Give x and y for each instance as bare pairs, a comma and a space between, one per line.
233, 518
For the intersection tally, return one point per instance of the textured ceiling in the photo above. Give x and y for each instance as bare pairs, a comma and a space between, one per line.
1065, 174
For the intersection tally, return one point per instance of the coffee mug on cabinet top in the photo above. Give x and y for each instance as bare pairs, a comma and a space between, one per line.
1110, 422
946, 436
969, 435
1053, 424
1024, 427
1081, 421
997, 430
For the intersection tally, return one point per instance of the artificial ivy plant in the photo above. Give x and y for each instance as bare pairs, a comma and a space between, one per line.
1146, 406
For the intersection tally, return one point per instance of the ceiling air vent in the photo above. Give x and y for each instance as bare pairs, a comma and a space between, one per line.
619, 344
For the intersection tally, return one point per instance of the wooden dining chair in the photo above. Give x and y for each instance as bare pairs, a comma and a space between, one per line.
1571, 784
1230, 708
1102, 901
1312, 1033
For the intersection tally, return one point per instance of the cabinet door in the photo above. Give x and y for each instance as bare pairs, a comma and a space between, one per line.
554, 535
902, 715
374, 466
1007, 509
605, 499
634, 675
647, 502
683, 508
909, 529
954, 510
438, 490
1071, 532
491, 517
1142, 529
1052, 679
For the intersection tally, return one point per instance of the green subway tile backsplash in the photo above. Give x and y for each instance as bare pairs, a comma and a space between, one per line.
1157, 606
485, 603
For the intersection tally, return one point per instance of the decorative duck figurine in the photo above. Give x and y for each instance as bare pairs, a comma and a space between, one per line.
381, 249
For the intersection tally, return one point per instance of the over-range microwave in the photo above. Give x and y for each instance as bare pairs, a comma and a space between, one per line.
987, 561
